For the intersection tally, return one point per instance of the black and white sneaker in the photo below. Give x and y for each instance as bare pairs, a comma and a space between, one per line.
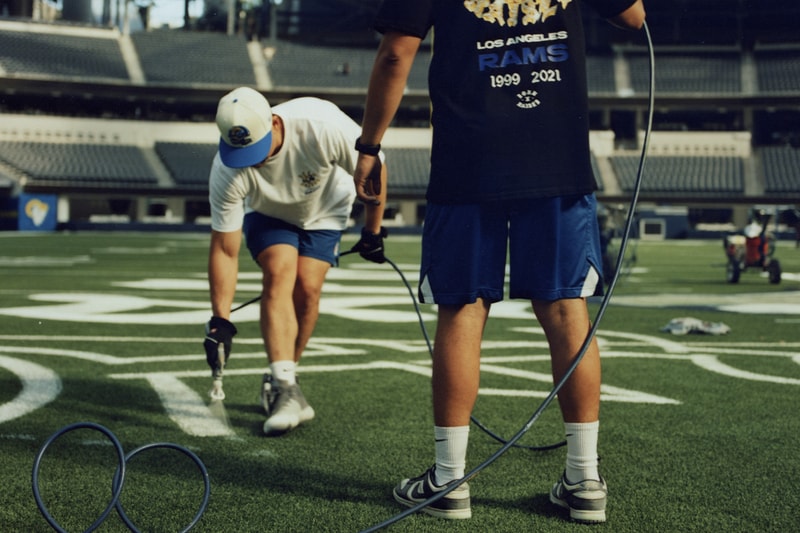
454, 505
585, 500
288, 410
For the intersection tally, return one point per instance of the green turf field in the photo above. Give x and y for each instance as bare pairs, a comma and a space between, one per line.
698, 432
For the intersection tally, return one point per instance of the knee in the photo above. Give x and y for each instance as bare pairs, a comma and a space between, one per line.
307, 294
278, 281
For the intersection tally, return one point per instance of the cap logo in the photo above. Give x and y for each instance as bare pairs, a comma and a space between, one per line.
239, 136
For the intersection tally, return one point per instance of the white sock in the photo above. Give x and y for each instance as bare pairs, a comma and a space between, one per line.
582, 451
284, 371
451, 452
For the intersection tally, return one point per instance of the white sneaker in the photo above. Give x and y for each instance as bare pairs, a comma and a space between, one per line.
455, 504
288, 410
585, 500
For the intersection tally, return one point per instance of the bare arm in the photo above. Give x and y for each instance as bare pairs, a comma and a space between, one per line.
386, 86
387, 83
374, 211
223, 270
630, 19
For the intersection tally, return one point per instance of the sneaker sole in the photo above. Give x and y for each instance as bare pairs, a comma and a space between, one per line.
274, 428
449, 514
580, 515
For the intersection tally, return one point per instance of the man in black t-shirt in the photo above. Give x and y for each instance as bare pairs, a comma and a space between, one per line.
510, 173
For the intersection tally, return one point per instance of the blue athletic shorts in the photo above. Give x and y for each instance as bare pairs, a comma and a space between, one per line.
262, 231
552, 245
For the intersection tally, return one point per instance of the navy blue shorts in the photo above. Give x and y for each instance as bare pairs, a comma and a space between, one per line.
261, 232
552, 245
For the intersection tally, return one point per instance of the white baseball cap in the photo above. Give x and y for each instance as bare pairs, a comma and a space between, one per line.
244, 119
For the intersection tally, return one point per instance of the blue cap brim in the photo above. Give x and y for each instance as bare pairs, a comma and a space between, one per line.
246, 156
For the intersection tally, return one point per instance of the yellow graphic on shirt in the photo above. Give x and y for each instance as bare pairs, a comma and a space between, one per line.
514, 12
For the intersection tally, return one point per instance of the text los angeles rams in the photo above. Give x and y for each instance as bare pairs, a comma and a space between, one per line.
499, 54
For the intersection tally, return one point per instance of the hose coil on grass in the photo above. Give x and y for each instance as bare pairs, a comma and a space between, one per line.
119, 477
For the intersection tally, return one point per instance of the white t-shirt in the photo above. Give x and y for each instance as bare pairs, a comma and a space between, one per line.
308, 183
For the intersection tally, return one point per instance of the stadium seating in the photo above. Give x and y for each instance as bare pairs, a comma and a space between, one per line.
76, 57
781, 167
409, 170
688, 72
183, 57
300, 65
192, 61
682, 175
778, 71
79, 165
188, 163
600, 71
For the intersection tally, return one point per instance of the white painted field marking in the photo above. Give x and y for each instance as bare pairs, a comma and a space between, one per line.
185, 407
607, 392
131, 310
41, 261
40, 386
749, 303
189, 410
713, 364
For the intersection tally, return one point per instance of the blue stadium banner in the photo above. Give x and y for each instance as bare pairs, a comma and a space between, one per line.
8, 214
37, 212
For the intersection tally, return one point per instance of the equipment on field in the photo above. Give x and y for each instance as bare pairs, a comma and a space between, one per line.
119, 476
218, 344
370, 246
753, 247
685, 325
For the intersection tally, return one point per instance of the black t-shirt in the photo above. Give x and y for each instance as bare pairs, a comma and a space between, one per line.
509, 96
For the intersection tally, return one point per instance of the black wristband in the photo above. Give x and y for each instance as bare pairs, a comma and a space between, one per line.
368, 149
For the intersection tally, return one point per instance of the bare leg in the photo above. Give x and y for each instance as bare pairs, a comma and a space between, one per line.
456, 362
566, 324
307, 290
279, 326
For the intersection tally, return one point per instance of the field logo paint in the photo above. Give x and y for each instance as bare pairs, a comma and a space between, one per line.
188, 408
361, 294
40, 386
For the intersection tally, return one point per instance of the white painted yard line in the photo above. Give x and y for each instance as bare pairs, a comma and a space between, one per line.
713, 364
608, 393
304, 369
40, 386
186, 408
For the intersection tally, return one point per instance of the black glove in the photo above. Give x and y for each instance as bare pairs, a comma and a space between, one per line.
370, 246
218, 342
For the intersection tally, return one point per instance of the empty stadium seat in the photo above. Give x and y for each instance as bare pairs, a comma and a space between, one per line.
299, 65
781, 166
688, 72
42, 54
79, 165
188, 163
177, 56
778, 70
699, 175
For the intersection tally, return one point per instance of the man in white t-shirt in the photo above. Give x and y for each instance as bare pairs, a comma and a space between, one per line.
282, 178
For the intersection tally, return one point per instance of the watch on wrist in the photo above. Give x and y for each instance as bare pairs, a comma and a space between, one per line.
368, 149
